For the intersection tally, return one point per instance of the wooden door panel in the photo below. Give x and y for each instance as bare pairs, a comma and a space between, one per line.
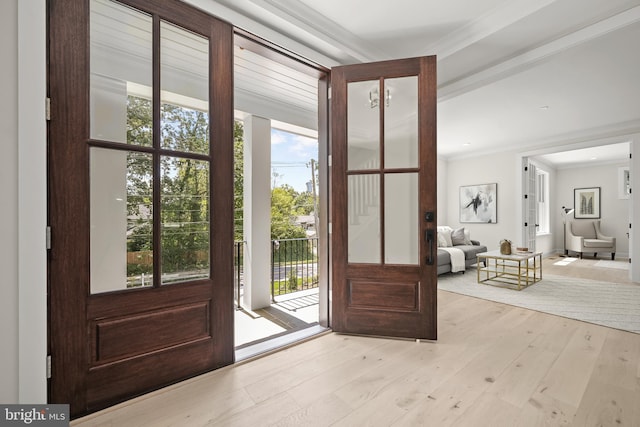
124, 379
372, 293
386, 323
384, 295
117, 304
141, 333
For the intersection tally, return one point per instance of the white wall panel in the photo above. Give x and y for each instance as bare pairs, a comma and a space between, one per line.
498, 168
9, 194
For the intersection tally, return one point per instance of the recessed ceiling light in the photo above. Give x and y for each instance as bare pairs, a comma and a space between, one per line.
594, 158
544, 107
466, 144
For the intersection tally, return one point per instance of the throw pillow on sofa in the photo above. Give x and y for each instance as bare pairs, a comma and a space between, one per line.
457, 237
444, 236
467, 237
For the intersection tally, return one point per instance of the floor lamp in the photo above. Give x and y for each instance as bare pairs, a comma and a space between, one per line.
565, 213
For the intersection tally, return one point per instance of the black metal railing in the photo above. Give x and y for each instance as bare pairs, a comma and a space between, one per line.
238, 266
294, 266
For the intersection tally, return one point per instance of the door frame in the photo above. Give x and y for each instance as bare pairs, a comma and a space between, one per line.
272, 51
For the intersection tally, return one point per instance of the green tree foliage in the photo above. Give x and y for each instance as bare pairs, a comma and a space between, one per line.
139, 202
238, 180
184, 188
184, 214
184, 129
303, 203
286, 205
283, 214
139, 176
139, 121
139, 186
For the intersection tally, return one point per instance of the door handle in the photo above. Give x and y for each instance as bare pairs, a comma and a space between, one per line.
430, 237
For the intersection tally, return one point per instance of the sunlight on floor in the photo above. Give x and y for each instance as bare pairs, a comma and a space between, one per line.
565, 261
251, 327
289, 313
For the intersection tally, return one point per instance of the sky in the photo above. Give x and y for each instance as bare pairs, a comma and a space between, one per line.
290, 158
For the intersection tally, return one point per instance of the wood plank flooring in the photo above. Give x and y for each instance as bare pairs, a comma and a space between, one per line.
493, 365
585, 269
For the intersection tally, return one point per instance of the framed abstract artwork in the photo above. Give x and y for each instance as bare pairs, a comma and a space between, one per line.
479, 203
586, 202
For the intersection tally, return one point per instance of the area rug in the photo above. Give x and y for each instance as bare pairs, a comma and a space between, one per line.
615, 305
619, 265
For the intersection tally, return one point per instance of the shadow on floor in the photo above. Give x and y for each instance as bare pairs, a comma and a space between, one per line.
279, 314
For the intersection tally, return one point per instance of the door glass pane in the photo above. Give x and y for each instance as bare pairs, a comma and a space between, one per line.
401, 218
364, 218
120, 58
121, 215
185, 219
363, 125
401, 122
184, 76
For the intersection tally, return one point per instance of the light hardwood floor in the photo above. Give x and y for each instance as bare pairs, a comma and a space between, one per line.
585, 269
493, 365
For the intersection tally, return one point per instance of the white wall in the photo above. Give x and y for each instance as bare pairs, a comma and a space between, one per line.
32, 202
498, 168
9, 196
23, 309
443, 196
614, 211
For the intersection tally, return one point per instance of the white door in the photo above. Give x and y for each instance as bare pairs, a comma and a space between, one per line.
529, 204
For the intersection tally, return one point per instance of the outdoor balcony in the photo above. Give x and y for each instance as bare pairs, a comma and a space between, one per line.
294, 309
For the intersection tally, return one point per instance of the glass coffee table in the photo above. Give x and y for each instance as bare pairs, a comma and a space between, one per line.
517, 270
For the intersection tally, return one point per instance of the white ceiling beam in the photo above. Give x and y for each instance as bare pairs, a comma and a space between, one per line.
527, 59
584, 138
268, 107
484, 26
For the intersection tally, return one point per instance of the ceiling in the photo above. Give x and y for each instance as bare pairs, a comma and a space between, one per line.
612, 153
512, 74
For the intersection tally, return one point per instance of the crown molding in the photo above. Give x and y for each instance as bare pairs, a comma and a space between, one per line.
525, 60
322, 28
252, 26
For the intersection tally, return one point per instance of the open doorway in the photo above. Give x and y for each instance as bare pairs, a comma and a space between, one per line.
566, 174
280, 251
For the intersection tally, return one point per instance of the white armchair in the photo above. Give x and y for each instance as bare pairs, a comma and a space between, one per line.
585, 236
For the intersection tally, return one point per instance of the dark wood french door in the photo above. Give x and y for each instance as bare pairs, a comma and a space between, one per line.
140, 153
384, 198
